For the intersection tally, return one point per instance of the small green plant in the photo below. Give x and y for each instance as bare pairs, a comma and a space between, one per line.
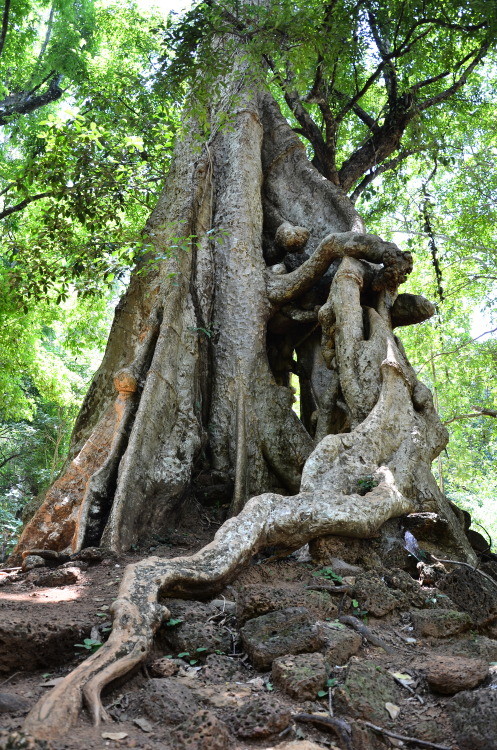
90, 644
357, 611
329, 574
366, 484
171, 623
330, 683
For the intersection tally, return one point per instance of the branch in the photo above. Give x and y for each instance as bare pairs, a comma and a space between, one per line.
421, 743
478, 413
24, 103
9, 458
443, 95
20, 206
385, 167
5, 24
453, 351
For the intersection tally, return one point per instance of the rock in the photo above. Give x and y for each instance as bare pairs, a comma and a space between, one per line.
374, 596
57, 577
401, 580
428, 527
10, 704
451, 674
325, 548
229, 695
220, 669
260, 718
340, 643
202, 731
366, 689
288, 631
94, 555
439, 623
164, 667
21, 741
300, 676
473, 715
195, 630
77, 564
32, 561
476, 647
472, 593
165, 701
297, 745
31, 645
259, 599
224, 605
342, 568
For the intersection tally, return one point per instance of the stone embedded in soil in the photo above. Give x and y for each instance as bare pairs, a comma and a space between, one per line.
451, 674
21, 741
366, 689
301, 676
11, 704
259, 599
476, 646
165, 701
29, 645
164, 667
197, 629
340, 643
219, 669
375, 597
30, 562
472, 593
473, 715
58, 577
260, 718
229, 695
288, 631
202, 731
297, 745
439, 623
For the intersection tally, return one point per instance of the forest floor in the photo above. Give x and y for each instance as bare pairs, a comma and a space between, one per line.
200, 689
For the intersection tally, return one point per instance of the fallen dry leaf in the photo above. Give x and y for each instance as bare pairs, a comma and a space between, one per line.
114, 735
392, 709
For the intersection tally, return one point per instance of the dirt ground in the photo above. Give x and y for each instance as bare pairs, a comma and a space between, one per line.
41, 627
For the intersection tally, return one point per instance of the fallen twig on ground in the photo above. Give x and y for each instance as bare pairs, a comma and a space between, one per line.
341, 728
388, 733
365, 632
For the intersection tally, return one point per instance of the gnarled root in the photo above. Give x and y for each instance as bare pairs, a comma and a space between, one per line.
325, 506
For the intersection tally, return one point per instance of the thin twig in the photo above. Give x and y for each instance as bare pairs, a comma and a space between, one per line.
9, 678
467, 565
388, 733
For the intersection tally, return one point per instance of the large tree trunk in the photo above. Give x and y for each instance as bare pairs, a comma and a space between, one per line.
195, 378
196, 381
